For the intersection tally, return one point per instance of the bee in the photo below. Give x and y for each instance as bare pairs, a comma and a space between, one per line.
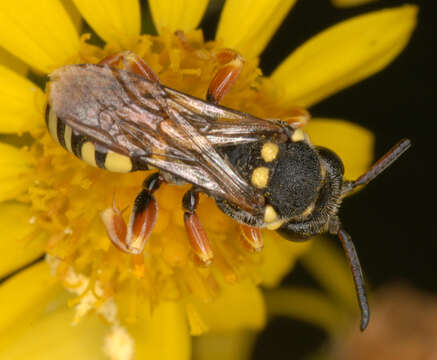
262, 173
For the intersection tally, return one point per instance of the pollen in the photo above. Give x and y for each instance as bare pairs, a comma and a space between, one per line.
67, 193
119, 345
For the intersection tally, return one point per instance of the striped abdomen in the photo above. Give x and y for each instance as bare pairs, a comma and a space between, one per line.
86, 150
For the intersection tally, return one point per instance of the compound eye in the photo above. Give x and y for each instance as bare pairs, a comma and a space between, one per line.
331, 158
291, 235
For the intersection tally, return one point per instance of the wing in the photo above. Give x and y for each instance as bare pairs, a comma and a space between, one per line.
159, 126
220, 125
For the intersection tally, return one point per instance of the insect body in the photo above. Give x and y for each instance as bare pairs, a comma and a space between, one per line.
262, 173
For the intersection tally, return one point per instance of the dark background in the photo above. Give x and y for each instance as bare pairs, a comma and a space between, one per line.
392, 221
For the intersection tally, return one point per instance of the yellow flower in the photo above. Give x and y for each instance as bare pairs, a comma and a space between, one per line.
51, 201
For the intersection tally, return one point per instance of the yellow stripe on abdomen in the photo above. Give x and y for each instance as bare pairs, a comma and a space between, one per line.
118, 163
67, 138
85, 149
52, 125
88, 153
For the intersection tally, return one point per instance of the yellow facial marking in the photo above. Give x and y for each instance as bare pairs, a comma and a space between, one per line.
53, 125
88, 153
270, 215
260, 177
269, 151
118, 163
67, 138
298, 135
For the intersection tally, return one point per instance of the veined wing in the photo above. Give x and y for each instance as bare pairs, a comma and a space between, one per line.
220, 125
139, 118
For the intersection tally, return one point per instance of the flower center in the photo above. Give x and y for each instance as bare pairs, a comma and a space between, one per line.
68, 196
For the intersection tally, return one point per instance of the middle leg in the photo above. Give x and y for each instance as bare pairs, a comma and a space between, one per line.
196, 233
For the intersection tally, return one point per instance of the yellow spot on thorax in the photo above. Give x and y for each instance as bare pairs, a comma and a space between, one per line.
298, 135
260, 177
269, 151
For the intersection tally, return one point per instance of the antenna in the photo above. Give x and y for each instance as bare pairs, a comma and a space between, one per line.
383, 163
357, 274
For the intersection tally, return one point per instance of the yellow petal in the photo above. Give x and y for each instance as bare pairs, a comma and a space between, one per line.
24, 296
52, 337
46, 332
238, 307
162, 334
177, 14
38, 32
350, 3
14, 167
279, 256
113, 20
18, 242
343, 55
21, 103
235, 345
311, 306
354, 144
39, 306
329, 267
11, 62
73, 13
247, 26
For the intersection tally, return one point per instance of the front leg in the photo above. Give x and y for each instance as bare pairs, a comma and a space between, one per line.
132, 238
196, 233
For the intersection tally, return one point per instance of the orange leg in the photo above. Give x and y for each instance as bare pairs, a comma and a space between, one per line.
131, 62
252, 237
196, 234
231, 64
132, 238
